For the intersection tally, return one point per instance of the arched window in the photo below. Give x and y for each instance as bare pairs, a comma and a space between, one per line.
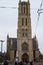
26, 21
24, 32
24, 46
22, 21
24, 9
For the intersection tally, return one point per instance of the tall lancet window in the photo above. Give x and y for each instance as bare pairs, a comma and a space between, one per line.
24, 9
26, 21
24, 32
22, 21
11, 43
20, 9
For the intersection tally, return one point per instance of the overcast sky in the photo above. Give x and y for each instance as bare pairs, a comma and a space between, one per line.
9, 19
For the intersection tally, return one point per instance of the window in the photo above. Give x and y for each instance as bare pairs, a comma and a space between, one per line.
25, 46
26, 21
24, 9
14, 53
22, 21
24, 32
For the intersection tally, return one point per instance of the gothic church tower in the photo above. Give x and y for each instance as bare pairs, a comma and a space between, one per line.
24, 35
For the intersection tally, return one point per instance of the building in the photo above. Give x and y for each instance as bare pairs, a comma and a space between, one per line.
2, 56
26, 47
36, 52
11, 48
24, 35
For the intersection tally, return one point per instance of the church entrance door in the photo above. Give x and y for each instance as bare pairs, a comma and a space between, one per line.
25, 57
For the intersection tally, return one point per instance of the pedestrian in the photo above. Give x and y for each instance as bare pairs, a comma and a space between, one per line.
5, 63
15, 63
31, 63
38, 64
21, 63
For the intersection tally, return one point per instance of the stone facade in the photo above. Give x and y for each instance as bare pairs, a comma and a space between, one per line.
11, 48
23, 44
24, 35
36, 52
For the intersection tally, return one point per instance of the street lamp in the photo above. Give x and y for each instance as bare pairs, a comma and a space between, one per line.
1, 47
17, 57
1, 44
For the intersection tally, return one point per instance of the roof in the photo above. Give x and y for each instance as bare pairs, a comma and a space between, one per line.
35, 44
14, 43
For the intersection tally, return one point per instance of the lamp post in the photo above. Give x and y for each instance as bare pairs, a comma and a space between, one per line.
1, 47
17, 57
1, 44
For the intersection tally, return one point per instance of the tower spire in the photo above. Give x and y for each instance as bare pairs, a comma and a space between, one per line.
28, 1
19, 1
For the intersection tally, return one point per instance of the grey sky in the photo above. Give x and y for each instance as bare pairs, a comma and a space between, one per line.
9, 19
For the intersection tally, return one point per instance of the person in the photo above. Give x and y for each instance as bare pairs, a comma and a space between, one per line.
5, 63
31, 63
21, 63
15, 63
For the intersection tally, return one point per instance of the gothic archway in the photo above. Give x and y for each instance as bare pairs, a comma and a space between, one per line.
25, 57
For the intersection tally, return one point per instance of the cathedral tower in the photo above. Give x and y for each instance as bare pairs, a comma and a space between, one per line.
24, 35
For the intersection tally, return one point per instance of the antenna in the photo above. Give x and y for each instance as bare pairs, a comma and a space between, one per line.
40, 10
